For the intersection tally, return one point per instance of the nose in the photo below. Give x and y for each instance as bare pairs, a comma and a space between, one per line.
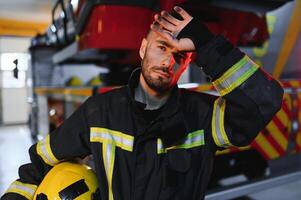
168, 61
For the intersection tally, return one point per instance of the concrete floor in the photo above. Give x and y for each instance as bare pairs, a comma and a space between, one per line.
14, 144
15, 141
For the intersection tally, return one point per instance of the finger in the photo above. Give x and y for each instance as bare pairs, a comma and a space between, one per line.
170, 18
160, 30
165, 24
182, 12
165, 34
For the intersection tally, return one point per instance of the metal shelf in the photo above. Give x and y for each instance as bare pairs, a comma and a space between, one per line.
257, 186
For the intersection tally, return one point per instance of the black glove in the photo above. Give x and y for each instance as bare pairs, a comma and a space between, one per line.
215, 54
197, 32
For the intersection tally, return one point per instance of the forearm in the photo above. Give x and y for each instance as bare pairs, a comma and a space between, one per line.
249, 96
70, 140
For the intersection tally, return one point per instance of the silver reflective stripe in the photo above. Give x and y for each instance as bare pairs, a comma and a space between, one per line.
44, 150
108, 151
24, 189
116, 138
45, 153
113, 138
108, 157
160, 148
110, 139
192, 140
235, 76
218, 131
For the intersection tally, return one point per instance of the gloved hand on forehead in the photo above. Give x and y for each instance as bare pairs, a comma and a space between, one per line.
181, 30
215, 54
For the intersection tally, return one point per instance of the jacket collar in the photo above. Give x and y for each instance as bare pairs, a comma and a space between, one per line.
170, 123
171, 105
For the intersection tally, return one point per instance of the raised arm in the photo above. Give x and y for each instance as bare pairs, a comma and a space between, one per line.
249, 97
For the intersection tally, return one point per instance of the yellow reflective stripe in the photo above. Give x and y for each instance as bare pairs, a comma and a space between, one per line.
108, 153
160, 148
119, 139
193, 139
24, 189
44, 151
112, 132
110, 139
235, 76
218, 131
231, 70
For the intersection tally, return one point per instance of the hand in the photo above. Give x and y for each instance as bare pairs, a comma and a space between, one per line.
169, 27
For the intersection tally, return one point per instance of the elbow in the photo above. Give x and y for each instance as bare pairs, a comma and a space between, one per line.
279, 98
276, 99
273, 103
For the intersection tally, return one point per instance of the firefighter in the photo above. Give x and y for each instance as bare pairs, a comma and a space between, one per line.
150, 139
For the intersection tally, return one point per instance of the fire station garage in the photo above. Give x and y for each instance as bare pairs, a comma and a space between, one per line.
150, 99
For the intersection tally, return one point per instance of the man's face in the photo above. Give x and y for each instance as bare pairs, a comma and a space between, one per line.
162, 64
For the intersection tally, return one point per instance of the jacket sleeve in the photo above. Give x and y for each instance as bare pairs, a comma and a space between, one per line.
249, 97
68, 141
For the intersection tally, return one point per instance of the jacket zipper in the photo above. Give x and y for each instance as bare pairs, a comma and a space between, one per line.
135, 159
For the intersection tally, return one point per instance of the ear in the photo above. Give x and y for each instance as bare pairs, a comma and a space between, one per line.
142, 48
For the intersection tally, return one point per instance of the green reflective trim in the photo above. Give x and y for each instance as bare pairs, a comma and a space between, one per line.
192, 140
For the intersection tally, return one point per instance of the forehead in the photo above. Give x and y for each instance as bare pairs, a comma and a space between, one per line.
155, 37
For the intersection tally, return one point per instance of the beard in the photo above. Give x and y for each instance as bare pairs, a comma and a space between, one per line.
159, 84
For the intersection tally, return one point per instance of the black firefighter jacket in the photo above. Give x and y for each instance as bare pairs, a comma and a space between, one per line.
166, 154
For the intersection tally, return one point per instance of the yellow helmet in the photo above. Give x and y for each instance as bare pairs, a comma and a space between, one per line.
74, 81
68, 181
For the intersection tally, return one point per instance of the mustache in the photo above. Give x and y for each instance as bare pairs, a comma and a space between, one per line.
163, 69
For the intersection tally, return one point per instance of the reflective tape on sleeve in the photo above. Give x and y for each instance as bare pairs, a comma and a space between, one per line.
235, 76
24, 189
45, 152
218, 130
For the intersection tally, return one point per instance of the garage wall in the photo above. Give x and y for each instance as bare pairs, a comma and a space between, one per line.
14, 108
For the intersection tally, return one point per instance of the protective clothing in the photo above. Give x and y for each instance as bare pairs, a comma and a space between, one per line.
68, 181
166, 153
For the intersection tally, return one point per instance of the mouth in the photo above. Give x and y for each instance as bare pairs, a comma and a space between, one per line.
163, 74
